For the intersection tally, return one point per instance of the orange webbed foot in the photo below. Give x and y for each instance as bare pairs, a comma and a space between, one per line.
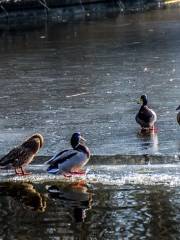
22, 172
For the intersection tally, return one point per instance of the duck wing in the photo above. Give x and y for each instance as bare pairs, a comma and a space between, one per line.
55, 157
146, 114
61, 157
12, 156
67, 158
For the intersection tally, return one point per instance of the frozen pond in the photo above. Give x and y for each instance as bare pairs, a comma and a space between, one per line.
87, 76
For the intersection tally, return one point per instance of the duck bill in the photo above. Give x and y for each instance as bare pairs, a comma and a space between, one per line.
139, 101
178, 108
82, 140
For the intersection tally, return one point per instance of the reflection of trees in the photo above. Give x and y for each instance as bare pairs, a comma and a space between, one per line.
145, 211
159, 213
134, 212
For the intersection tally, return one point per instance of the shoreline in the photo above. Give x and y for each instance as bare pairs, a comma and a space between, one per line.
21, 14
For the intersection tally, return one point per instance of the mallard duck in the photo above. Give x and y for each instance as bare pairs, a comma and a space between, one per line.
178, 115
70, 161
146, 117
22, 155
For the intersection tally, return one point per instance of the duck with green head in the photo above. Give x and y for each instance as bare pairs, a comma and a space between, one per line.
146, 117
70, 161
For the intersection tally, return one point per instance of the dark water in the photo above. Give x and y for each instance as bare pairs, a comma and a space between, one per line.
112, 202
69, 211
87, 76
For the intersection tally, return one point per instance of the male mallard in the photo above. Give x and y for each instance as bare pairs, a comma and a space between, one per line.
146, 117
178, 115
22, 155
70, 161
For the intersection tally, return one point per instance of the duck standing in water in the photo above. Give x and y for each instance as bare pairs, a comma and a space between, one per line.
22, 155
70, 161
178, 115
146, 117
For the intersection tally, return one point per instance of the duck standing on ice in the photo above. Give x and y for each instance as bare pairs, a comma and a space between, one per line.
70, 161
22, 155
146, 117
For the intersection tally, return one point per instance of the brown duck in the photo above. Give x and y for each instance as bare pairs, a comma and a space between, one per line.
22, 155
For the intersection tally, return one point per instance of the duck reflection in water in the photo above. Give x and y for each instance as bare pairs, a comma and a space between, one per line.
26, 194
74, 196
149, 140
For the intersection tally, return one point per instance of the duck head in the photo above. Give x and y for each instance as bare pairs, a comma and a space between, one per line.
143, 100
37, 137
178, 108
76, 139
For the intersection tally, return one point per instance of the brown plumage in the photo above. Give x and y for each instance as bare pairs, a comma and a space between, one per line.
22, 155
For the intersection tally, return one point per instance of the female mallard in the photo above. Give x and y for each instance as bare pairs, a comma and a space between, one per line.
22, 155
70, 161
146, 117
178, 115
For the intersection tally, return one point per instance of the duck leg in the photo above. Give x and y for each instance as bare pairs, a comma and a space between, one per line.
149, 129
67, 175
74, 173
17, 172
24, 172
153, 129
78, 172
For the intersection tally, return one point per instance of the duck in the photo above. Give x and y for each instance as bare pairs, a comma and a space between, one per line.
70, 161
22, 155
146, 117
178, 115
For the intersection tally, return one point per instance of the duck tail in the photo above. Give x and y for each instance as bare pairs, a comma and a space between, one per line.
5, 161
52, 170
